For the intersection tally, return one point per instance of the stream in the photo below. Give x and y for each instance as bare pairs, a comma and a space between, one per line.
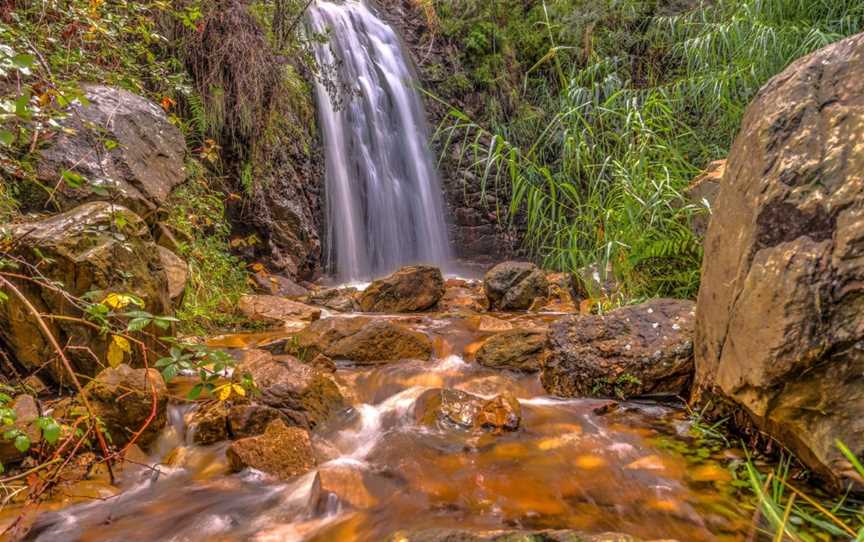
584, 464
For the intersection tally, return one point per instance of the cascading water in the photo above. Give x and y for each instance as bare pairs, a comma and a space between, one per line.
384, 202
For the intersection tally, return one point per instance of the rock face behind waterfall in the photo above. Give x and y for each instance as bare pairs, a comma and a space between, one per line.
781, 308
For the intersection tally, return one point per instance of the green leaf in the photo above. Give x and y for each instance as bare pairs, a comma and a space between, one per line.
51, 432
22, 443
6, 137
137, 324
23, 60
169, 372
195, 392
164, 362
74, 180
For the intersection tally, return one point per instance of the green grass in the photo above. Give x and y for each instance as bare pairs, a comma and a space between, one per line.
600, 150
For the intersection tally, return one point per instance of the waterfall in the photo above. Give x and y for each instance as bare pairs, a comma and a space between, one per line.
384, 204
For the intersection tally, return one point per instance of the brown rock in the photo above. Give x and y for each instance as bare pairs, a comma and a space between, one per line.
634, 350
337, 299
123, 399
488, 324
218, 420
702, 193
363, 341
139, 172
97, 248
456, 408
349, 485
780, 316
305, 395
460, 295
411, 289
277, 285
176, 271
515, 349
281, 451
514, 285
276, 310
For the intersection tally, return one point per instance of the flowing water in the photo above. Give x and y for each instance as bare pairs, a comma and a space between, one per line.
384, 205
583, 464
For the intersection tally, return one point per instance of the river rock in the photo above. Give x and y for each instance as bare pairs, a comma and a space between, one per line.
780, 325
218, 420
120, 142
123, 399
276, 310
411, 289
514, 285
337, 299
456, 408
702, 193
270, 284
363, 341
281, 451
97, 248
456, 535
633, 350
515, 349
176, 272
305, 395
26, 413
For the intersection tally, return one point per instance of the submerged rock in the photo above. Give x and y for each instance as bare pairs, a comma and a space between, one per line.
124, 399
96, 249
362, 341
281, 451
466, 411
779, 318
138, 171
411, 289
456, 535
515, 349
276, 310
515, 285
633, 350
305, 395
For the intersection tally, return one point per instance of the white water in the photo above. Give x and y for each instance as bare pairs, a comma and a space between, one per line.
384, 204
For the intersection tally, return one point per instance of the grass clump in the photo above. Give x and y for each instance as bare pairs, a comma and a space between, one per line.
217, 279
609, 130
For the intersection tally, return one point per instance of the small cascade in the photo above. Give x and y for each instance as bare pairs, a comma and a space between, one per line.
384, 204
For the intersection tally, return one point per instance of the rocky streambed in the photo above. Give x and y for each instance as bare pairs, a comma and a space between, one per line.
430, 425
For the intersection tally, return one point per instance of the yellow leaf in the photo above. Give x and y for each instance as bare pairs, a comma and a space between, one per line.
119, 301
238, 389
122, 343
224, 393
115, 354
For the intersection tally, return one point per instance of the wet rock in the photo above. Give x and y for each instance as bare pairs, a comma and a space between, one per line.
276, 310
97, 248
363, 341
337, 299
123, 398
411, 289
348, 485
633, 350
26, 413
277, 285
176, 272
702, 193
460, 295
305, 395
217, 421
563, 297
779, 319
281, 451
457, 408
514, 285
515, 349
488, 324
143, 165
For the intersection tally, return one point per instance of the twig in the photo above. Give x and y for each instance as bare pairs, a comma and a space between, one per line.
27, 473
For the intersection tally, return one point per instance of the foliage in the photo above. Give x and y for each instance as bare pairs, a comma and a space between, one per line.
45, 426
217, 279
598, 153
210, 366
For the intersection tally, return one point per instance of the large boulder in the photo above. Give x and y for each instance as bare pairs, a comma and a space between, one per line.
514, 349
306, 396
515, 285
281, 451
124, 399
634, 350
780, 317
270, 309
119, 142
361, 340
411, 289
95, 249
217, 421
